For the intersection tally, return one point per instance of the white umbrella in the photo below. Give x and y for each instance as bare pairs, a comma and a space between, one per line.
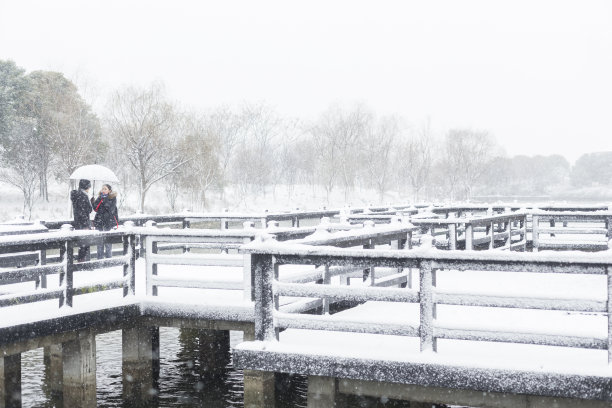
94, 172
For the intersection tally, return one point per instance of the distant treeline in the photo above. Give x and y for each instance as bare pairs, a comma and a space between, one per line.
47, 129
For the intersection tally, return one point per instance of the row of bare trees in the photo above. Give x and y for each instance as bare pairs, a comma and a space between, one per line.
47, 129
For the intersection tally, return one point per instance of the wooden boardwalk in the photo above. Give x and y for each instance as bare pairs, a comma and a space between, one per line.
267, 283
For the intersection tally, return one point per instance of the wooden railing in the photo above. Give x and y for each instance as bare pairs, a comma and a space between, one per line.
216, 248
65, 266
221, 251
586, 230
267, 259
179, 247
223, 219
501, 231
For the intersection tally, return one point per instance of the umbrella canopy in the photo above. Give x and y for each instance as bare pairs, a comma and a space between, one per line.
94, 172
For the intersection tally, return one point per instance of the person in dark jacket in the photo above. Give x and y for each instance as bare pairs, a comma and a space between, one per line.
106, 217
81, 208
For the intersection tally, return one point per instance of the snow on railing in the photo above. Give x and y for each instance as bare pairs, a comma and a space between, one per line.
218, 248
64, 242
583, 230
215, 246
267, 259
495, 231
221, 218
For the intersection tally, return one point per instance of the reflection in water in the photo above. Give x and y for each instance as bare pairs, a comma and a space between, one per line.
187, 378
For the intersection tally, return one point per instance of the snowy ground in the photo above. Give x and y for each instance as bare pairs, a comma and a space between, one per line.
303, 197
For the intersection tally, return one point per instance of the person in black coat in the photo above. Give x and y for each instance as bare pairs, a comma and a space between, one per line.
106, 217
81, 208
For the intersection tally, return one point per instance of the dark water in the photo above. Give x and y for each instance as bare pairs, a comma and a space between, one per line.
184, 381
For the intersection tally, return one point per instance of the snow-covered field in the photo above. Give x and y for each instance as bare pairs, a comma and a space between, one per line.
303, 197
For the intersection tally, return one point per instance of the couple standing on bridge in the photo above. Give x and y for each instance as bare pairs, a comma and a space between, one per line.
107, 217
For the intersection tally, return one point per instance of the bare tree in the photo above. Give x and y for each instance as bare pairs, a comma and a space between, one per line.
350, 133
142, 121
254, 166
115, 159
326, 155
75, 136
467, 156
375, 159
200, 146
414, 159
338, 137
172, 189
226, 128
20, 156
290, 157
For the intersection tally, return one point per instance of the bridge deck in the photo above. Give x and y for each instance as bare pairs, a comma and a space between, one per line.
38, 319
492, 367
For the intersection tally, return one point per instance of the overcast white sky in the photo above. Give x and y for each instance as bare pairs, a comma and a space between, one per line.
536, 73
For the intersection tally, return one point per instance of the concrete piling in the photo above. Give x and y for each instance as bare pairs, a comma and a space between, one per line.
10, 381
140, 362
79, 371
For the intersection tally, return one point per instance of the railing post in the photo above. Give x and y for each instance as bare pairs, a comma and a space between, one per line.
66, 276
247, 293
186, 225
535, 235
552, 225
224, 221
151, 246
509, 235
326, 281
426, 307
42, 260
469, 235
523, 231
263, 271
409, 280
275, 295
452, 236
129, 269
369, 273
609, 271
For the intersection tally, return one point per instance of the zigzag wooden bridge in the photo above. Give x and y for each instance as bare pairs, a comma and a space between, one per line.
382, 285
